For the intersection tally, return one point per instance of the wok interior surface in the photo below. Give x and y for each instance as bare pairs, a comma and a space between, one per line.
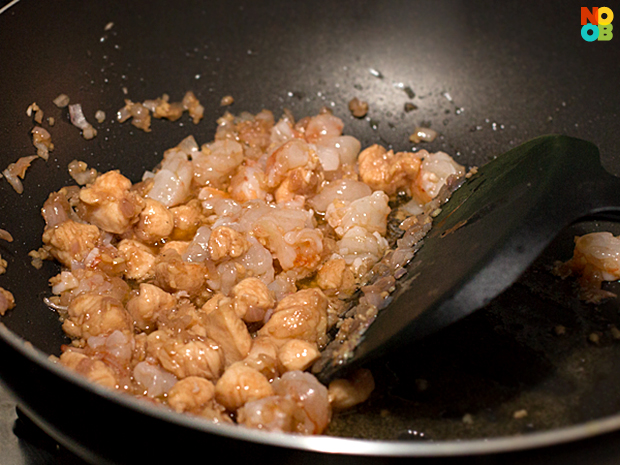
484, 75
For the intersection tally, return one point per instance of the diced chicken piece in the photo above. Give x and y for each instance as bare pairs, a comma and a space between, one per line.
386, 171
334, 275
191, 394
183, 359
109, 204
263, 345
226, 242
184, 319
94, 370
227, 329
3, 265
347, 392
150, 302
299, 181
216, 413
252, 299
187, 219
298, 355
155, 222
173, 274
240, 384
263, 356
7, 301
302, 315
70, 241
96, 315
179, 247
139, 259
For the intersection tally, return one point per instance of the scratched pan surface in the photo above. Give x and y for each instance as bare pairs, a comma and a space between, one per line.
485, 76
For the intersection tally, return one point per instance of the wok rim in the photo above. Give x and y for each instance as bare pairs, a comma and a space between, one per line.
320, 443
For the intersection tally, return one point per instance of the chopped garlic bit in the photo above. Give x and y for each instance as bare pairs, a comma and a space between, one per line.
100, 116
227, 100
61, 101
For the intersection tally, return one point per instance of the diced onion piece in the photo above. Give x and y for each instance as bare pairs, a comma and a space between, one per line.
423, 135
79, 171
79, 120
5, 235
42, 140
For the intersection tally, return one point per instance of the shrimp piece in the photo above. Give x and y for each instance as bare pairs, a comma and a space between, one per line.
274, 413
310, 395
347, 392
293, 154
369, 212
217, 162
323, 126
256, 132
596, 258
433, 174
248, 184
172, 183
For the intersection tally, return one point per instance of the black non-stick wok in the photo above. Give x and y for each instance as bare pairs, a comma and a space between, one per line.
531, 377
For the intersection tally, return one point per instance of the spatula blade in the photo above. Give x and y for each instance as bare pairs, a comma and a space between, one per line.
484, 238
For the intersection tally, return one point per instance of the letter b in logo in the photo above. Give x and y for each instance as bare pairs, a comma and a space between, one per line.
604, 32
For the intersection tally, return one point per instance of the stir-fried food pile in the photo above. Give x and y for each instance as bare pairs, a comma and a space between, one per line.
212, 285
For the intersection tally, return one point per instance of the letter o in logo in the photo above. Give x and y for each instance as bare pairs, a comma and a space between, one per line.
589, 37
605, 11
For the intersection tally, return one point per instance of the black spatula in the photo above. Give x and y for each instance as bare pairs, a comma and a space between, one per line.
486, 236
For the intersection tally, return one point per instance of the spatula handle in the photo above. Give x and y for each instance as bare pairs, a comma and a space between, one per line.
604, 198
